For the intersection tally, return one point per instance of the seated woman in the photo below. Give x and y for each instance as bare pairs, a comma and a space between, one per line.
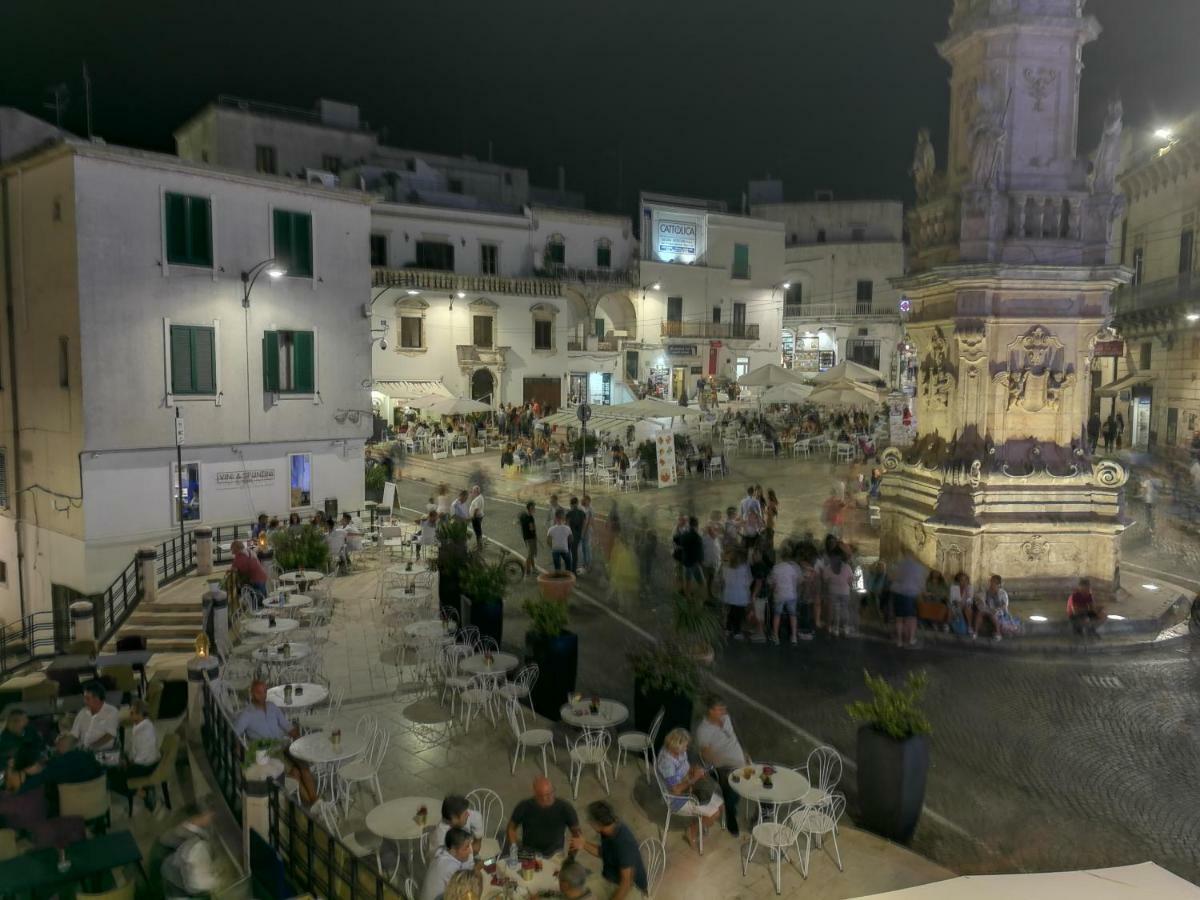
1082, 609
682, 779
934, 608
506, 457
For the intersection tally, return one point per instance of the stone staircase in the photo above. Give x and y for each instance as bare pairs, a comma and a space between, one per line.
171, 622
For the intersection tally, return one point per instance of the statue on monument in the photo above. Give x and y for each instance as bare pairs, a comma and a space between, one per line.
988, 134
1108, 154
924, 166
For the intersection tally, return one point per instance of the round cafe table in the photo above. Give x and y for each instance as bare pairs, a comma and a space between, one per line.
290, 603
273, 653
302, 576
428, 628
263, 627
396, 820
313, 694
318, 747
609, 714
501, 664
787, 785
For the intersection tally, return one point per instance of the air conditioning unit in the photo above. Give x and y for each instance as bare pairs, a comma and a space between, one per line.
321, 177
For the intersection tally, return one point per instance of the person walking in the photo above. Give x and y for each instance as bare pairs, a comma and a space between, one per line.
735, 593
1150, 498
585, 536
907, 581
576, 518
1093, 431
1120, 430
529, 535
475, 511
837, 577
1109, 433
784, 580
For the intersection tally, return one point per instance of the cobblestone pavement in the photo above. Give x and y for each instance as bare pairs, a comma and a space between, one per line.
1038, 763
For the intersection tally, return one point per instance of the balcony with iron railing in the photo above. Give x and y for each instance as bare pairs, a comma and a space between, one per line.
1159, 296
854, 310
733, 331
451, 282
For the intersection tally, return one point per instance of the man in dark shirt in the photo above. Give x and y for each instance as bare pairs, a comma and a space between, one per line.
576, 518
691, 555
618, 851
538, 823
529, 535
17, 732
71, 764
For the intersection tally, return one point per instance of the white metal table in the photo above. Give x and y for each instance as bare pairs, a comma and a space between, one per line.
273, 653
501, 664
264, 628
400, 820
318, 747
608, 714
304, 695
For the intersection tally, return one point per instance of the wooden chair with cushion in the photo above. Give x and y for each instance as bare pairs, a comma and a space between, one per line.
44, 690
120, 678
131, 642
124, 892
85, 647
154, 695
161, 774
88, 800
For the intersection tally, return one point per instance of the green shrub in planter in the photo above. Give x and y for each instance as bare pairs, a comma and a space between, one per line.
300, 548
555, 650
665, 676
376, 478
547, 618
894, 711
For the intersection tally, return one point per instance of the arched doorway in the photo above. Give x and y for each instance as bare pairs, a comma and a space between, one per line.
483, 386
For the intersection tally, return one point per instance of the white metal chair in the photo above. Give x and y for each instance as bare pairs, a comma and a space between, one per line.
654, 857
540, 738
490, 807
359, 841
801, 448
639, 742
589, 749
477, 696
776, 837
715, 468
519, 687
818, 821
824, 771
365, 769
411, 891
688, 806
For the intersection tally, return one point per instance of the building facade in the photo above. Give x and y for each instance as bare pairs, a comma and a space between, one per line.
839, 303
1151, 378
130, 331
711, 294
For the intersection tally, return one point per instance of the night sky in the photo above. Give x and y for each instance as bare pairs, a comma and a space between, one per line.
683, 97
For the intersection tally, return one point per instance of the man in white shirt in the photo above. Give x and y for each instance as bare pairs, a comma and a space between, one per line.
751, 515
784, 578
559, 539
475, 511
98, 723
457, 813
720, 748
141, 752
454, 855
460, 509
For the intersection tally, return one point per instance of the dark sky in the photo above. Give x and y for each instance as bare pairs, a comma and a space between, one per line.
686, 97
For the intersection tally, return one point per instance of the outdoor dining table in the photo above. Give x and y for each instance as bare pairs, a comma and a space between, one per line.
787, 785
398, 820
478, 664
263, 626
304, 695
608, 714
318, 747
273, 653
428, 628
37, 870
287, 603
302, 576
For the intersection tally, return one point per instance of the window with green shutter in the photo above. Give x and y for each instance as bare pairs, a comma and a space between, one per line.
741, 261
289, 362
189, 230
293, 242
193, 360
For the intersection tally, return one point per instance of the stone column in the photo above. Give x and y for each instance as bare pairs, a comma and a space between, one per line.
198, 668
83, 620
204, 551
147, 565
216, 611
254, 803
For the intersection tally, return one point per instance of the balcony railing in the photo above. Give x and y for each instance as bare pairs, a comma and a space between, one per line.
743, 331
432, 280
1158, 295
561, 272
854, 310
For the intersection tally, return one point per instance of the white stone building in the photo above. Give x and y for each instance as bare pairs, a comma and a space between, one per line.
711, 295
123, 271
839, 303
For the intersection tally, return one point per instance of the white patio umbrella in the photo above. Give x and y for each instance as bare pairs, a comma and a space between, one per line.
455, 406
786, 393
844, 393
847, 370
769, 376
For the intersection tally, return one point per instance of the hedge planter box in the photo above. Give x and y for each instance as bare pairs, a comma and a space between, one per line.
558, 661
487, 617
891, 782
556, 585
647, 703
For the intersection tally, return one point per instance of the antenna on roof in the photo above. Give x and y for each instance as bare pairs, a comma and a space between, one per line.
87, 99
61, 99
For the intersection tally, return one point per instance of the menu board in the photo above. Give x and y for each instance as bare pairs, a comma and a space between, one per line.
664, 447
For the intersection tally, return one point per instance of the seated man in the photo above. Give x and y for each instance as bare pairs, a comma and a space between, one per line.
17, 733
453, 856
720, 748
572, 882
98, 723
141, 756
264, 721
249, 570
618, 851
1082, 609
457, 813
538, 823
991, 607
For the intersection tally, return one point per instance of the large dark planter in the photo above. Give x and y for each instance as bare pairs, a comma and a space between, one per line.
487, 617
558, 662
647, 703
891, 782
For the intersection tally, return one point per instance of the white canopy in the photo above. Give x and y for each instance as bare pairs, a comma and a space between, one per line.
844, 393
1140, 882
786, 393
847, 370
454, 406
769, 376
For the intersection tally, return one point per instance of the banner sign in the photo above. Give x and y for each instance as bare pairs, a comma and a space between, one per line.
676, 237
664, 447
244, 478
1110, 349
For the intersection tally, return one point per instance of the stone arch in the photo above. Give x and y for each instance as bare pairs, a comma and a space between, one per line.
483, 385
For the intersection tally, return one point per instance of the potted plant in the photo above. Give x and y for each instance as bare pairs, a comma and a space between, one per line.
302, 548
556, 585
556, 652
893, 755
452, 534
665, 676
376, 478
483, 585
697, 627
258, 751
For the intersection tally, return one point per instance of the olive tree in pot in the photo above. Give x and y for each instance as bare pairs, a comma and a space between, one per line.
483, 585
556, 652
302, 548
893, 755
697, 628
665, 676
452, 559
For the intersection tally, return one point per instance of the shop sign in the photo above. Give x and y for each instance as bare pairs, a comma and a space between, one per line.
1110, 349
244, 478
681, 349
676, 237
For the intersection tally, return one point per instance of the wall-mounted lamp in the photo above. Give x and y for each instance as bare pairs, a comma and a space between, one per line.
274, 271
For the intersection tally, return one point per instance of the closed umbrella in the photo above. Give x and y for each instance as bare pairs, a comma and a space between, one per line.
786, 393
848, 370
769, 376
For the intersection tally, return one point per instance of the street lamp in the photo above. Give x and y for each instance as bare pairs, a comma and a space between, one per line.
271, 266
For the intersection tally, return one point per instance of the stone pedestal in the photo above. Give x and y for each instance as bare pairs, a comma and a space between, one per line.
216, 614
83, 620
199, 669
147, 560
204, 551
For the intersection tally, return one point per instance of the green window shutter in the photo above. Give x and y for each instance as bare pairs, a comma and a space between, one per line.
282, 220
270, 361
204, 361
181, 360
176, 220
302, 244
304, 362
741, 260
200, 231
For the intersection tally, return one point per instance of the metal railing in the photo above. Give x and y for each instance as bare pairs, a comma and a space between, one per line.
855, 310
433, 280
20, 641
1158, 294
118, 600
730, 330
226, 752
176, 558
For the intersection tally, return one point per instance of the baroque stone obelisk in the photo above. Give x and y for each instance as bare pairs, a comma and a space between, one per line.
1013, 273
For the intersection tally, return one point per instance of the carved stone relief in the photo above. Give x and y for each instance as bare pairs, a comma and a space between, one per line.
1035, 379
937, 375
1038, 82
